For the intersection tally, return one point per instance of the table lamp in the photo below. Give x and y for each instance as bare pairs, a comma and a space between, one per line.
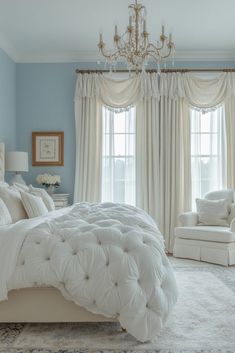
17, 162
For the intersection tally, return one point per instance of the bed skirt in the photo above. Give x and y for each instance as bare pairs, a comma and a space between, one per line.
44, 305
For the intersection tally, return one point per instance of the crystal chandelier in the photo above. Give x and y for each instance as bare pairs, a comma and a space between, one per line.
134, 45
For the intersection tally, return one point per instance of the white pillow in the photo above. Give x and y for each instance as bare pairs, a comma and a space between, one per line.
44, 195
20, 187
213, 212
3, 184
33, 205
12, 200
5, 217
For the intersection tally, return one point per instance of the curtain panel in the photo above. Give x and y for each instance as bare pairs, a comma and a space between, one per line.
206, 94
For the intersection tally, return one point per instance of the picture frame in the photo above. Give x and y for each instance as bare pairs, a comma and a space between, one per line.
47, 148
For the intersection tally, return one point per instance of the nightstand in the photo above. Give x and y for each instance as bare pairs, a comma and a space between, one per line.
60, 200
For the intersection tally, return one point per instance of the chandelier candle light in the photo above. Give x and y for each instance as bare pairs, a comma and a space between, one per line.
134, 45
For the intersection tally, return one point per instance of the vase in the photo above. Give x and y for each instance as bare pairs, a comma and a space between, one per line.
50, 189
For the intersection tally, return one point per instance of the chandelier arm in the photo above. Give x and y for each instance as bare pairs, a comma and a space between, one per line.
123, 44
108, 55
151, 45
153, 55
167, 55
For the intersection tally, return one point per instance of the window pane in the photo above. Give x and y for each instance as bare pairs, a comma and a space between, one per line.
118, 171
119, 145
208, 147
120, 123
205, 144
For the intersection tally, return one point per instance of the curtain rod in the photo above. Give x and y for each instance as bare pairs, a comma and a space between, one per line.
78, 71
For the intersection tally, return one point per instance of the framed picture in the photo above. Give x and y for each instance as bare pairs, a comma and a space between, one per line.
48, 148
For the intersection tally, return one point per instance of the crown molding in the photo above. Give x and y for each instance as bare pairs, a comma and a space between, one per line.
205, 55
8, 48
59, 57
92, 55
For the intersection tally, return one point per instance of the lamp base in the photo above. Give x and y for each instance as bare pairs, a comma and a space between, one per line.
17, 178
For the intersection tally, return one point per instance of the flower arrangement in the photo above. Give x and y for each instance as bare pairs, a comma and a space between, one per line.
48, 180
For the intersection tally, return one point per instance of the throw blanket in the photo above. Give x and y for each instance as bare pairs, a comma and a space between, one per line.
108, 258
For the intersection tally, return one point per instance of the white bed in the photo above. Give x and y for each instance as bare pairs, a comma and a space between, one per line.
108, 258
41, 304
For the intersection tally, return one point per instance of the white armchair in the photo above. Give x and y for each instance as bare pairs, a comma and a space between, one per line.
188, 219
215, 244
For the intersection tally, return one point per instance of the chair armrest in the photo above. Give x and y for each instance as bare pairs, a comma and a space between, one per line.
232, 226
188, 219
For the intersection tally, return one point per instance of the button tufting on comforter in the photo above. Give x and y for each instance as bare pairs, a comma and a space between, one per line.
108, 258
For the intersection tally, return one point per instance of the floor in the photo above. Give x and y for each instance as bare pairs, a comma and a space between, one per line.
203, 321
189, 263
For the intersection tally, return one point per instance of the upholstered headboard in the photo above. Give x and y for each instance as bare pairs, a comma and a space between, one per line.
2, 161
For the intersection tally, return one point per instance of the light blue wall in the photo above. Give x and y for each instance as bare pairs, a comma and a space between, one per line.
45, 102
7, 101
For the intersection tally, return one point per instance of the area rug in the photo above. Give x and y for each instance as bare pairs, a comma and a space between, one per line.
203, 322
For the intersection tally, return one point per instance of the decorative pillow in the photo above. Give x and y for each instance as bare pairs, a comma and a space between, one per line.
212, 212
20, 187
12, 200
44, 195
3, 184
33, 205
5, 217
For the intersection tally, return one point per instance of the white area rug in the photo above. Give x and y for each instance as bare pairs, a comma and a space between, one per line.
203, 321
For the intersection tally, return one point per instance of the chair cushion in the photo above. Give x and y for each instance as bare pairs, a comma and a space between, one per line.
213, 212
207, 233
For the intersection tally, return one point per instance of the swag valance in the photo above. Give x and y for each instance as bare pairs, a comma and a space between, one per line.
117, 93
199, 92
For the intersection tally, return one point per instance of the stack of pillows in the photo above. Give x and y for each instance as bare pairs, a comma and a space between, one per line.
20, 201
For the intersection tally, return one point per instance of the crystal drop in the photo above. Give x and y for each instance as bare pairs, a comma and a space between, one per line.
158, 69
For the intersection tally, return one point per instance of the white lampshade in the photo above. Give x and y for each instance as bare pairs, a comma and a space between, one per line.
17, 161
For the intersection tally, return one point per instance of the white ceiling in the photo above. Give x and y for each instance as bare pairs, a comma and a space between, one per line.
68, 30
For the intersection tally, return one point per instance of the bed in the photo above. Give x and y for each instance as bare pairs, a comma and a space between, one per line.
41, 304
107, 258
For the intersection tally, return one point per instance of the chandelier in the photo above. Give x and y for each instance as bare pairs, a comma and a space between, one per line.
134, 47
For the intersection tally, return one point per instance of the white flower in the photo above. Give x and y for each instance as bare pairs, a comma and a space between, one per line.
48, 179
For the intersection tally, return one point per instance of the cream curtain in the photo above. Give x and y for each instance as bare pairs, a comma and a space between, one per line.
88, 125
206, 94
175, 169
148, 157
178, 92
230, 134
93, 91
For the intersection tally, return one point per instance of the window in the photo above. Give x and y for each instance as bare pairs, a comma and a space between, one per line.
118, 164
208, 152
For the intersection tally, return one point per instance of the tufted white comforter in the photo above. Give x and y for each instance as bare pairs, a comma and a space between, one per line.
108, 258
